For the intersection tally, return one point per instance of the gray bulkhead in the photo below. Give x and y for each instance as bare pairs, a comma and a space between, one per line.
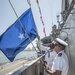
68, 30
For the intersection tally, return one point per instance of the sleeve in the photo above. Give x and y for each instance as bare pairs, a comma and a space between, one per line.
58, 64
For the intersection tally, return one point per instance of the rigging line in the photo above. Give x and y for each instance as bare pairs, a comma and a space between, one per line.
33, 18
21, 24
38, 6
28, 1
51, 14
32, 14
31, 11
34, 21
41, 17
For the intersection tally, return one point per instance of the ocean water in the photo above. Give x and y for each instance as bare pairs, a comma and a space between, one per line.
26, 54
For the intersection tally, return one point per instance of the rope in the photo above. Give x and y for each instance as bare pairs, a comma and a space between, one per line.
38, 37
29, 2
41, 17
21, 24
38, 43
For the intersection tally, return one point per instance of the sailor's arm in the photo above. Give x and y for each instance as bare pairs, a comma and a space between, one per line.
58, 72
57, 67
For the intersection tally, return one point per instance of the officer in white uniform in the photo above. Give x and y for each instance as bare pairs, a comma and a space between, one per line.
60, 63
49, 57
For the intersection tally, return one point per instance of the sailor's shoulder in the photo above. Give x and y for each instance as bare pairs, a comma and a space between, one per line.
60, 55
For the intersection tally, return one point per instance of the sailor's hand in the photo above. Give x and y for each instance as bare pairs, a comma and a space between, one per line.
45, 62
46, 67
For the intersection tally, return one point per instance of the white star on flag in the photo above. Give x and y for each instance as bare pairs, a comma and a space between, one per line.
21, 36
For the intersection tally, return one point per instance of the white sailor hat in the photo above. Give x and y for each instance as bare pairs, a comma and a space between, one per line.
61, 42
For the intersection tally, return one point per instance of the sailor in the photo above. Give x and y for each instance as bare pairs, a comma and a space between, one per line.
49, 57
60, 63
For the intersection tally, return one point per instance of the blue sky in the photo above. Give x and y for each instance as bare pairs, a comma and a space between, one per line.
49, 8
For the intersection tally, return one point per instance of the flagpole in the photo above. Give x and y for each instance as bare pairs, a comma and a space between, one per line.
21, 24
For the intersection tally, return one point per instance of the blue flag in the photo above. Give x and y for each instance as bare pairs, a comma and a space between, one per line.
14, 39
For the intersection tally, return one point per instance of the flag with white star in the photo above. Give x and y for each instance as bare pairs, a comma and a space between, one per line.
15, 39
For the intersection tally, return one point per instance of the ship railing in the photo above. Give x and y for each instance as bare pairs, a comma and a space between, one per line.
34, 67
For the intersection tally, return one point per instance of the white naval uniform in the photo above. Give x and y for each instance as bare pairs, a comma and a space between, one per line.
60, 63
50, 59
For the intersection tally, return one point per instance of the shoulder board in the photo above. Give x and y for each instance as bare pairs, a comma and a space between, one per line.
60, 54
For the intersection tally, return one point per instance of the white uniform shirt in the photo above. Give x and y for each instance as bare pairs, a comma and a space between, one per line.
60, 63
49, 57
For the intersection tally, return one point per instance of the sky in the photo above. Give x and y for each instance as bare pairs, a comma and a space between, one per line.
49, 8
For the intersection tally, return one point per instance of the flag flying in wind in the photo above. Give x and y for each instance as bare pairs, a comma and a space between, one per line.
14, 39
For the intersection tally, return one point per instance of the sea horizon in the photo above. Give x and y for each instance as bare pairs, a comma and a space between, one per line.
23, 54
